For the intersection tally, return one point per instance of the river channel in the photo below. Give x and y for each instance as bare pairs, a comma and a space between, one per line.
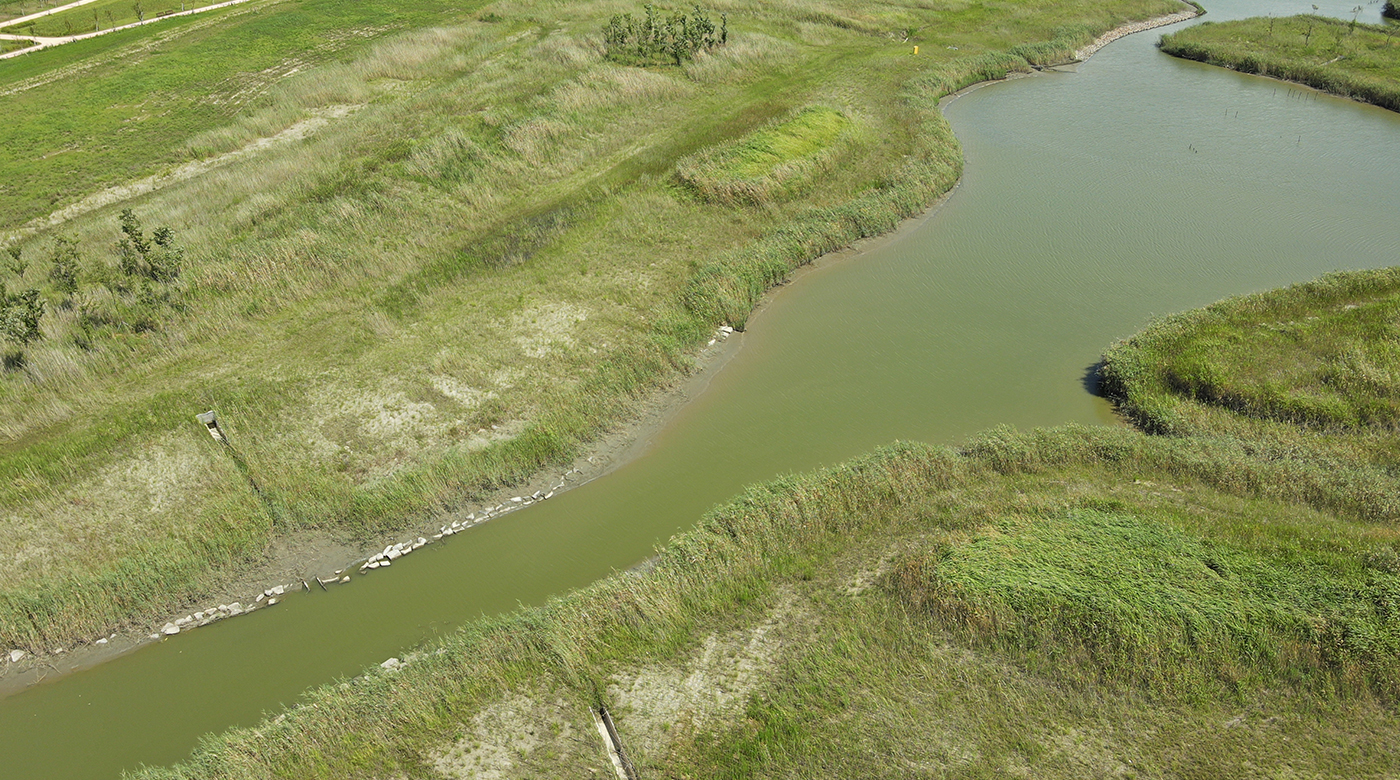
1138, 185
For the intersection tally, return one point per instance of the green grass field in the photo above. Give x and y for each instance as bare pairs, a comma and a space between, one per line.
9, 46
427, 253
1360, 61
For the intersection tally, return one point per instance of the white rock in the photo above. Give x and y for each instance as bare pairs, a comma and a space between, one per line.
346, 578
170, 629
422, 541
384, 563
184, 621
373, 565
471, 516
235, 608
102, 641
439, 536
711, 344
394, 555
59, 650
549, 495
223, 608
277, 591
154, 636
15, 655
516, 500
391, 664
270, 602
199, 616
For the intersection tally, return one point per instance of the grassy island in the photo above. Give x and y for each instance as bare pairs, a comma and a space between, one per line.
1358, 61
1218, 599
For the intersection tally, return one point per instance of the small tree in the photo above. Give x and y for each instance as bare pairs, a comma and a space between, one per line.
140, 12
1391, 10
17, 264
66, 263
157, 260
20, 315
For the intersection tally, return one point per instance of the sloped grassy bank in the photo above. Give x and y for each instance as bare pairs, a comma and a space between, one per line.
1320, 358
1216, 601
140, 572
1358, 61
1066, 601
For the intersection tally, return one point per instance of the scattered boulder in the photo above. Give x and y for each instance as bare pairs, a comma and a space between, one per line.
391, 664
16, 655
170, 629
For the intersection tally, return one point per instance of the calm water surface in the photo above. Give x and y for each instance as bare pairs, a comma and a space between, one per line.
1140, 185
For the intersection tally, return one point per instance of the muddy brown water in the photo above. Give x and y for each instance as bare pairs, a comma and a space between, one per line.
1138, 186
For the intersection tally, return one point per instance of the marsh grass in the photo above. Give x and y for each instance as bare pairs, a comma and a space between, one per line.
1173, 600
1358, 61
1321, 355
355, 295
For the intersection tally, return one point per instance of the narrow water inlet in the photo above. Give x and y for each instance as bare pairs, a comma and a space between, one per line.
1076, 222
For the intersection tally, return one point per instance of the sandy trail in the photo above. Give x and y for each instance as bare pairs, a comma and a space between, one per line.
303, 129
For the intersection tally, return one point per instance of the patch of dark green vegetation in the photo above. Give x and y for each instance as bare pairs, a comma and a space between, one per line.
772, 163
653, 40
1358, 61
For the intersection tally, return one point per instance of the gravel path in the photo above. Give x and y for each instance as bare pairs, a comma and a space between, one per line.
1128, 29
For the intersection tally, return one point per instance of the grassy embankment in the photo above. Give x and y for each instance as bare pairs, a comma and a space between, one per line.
1358, 61
480, 259
102, 15
1064, 603
7, 46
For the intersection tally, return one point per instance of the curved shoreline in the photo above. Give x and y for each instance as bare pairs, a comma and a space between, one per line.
1136, 27
629, 440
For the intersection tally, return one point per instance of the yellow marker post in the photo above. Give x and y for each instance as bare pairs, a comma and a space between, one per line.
916, 49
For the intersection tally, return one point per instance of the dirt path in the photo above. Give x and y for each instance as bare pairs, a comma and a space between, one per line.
303, 129
44, 43
42, 14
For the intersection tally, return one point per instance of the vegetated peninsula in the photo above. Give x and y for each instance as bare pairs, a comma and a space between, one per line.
414, 257
1220, 596
1347, 58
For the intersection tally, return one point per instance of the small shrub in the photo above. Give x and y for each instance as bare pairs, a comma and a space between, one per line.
652, 40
